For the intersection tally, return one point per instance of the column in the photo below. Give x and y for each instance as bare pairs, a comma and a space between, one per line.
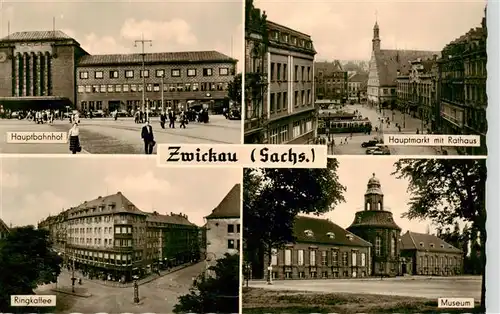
39, 74
33, 63
25, 74
17, 62
46, 74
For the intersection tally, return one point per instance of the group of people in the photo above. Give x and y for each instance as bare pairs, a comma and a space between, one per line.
41, 117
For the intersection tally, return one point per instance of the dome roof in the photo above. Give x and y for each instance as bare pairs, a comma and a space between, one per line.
373, 180
373, 186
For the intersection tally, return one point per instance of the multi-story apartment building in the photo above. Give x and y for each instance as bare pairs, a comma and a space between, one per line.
416, 90
223, 229
356, 86
384, 66
280, 90
49, 69
322, 250
331, 82
111, 236
462, 89
426, 254
4, 229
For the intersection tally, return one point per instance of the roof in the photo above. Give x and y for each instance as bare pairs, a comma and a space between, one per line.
122, 204
36, 36
174, 219
328, 67
389, 62
230, 205
161, 57
320, 233
422, 242
275, 26
359, 77
374, 219
3, 226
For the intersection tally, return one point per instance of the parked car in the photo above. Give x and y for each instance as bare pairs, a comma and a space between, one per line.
370, 143
234, 114
378, 150
98, 114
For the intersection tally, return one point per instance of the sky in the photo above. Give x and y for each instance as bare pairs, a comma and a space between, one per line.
109, 27
354, 173
343, 30
34, 188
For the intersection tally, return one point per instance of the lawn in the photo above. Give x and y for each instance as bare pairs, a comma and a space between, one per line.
268, 301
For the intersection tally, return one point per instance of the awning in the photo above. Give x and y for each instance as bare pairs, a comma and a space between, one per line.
34, 102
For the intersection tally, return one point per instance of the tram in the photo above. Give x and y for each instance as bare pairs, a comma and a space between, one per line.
343, 123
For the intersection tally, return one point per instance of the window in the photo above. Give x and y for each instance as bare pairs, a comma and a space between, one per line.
149, 87
393, 246
230, 228
84, 75
156, 87
354, 258
81, 88
345, 259
296, 129
363, 259
113, 74
195, 87
378, 246
126, 88
285, 73
145, 73
111, 88
274, 257
312, 257
238, 228
300, 257
133, 88
335, 258
272, 71
223, 71
118, 88
103, 88
191, 72
323, 258
207, 72
88, 88
176, 73
129, 74
288, 257
284, 134
296, 73
160, 73
98, 74
230, 244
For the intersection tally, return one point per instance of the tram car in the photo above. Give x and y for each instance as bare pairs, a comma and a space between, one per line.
344, 123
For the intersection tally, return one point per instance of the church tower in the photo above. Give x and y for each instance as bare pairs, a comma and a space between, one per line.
376, 38
376, 225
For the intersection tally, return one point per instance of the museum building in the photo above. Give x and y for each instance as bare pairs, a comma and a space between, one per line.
49, 69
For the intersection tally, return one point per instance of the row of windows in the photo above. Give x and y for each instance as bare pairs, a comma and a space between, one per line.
378, 246
179, 87
114, 74
431, 261
231, 244
279, 101
231, 228
324, 274
279, 72
302, 127
281, 134
106, 242
286, 38
326, 257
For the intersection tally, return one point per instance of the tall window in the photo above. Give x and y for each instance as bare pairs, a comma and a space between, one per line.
335, 258
323, 258
312, 257
129, 73
378, 244
300, 257
288, 257
354, 258
363, 259
345, 259
223, 71
393, 246
274, 257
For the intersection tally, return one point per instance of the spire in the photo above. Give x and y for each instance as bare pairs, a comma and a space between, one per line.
376, 36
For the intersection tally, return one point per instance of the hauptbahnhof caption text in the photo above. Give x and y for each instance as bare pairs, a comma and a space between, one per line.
264, 156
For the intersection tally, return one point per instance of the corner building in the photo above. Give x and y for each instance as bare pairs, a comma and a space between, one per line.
49, 69
111, 236
280, 70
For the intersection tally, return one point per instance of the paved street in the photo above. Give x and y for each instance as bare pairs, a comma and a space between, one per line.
158, 296
106, 136
425, 287
353, 146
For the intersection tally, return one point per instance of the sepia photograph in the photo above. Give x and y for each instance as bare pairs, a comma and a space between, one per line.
392, 236
118, 235
147, 73
352, 73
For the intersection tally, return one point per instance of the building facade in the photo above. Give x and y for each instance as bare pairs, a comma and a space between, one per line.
322, 250
331, 82
383, 68
110, 236
416, 90
4, 229
426, 254
462, 89
223, 227
280, 74
49, 69
357, 87
377, 226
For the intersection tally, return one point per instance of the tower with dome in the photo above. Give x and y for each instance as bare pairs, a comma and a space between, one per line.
377, 226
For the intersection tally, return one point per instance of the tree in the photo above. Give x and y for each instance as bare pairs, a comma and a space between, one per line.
26, 261
234, 89
447, 190
274, 197
217, 294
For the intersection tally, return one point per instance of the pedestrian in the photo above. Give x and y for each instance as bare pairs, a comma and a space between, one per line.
74, 139
148, 138
183, 120
163, 119
171, 119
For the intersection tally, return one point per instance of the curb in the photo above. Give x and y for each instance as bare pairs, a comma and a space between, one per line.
82, 295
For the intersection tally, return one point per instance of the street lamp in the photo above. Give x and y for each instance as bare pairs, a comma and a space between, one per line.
142, 41
162, 90
136, 292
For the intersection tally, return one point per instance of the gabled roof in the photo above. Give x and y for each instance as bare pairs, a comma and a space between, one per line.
162, 57
3, 226
328, 67
389, 62
36, 36
320, 229
122, 204
422, 242
230, 206
359, 77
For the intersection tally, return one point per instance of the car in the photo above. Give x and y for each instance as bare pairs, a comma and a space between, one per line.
378, 150
234, 114
370, 149
98, 114
370, 143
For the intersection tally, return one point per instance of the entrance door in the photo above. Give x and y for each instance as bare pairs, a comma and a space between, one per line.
403, 269
113, 105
